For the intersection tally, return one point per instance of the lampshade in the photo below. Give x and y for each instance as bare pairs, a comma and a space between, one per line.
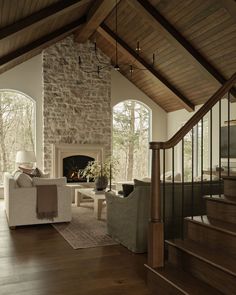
25, 157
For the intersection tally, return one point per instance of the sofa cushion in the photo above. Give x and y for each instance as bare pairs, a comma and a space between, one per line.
22, 179
127, 189
49, 181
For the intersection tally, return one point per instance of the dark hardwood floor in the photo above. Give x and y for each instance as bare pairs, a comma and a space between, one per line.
36, 260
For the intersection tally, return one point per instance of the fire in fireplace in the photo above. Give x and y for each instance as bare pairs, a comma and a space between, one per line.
74, 166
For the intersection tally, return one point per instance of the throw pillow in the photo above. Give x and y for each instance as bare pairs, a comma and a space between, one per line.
146, 179
138, 183
31, 172
177, 177
168, 176
22, 179
14, 172
36, 172
43, 175
127, 189
49, 181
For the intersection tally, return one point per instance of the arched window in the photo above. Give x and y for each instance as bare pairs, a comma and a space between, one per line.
17, 127
131, 136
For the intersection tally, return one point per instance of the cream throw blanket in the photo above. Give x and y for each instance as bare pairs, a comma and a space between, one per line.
47, 203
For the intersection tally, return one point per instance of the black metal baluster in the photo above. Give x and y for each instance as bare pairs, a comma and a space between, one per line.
196, 134
228, 147
220, 148
182, 201
211, 151
173, 191
192, 197
164, 187
202, 161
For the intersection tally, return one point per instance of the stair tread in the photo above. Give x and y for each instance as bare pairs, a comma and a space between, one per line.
184, 281
221, 198
217, 224
218, 259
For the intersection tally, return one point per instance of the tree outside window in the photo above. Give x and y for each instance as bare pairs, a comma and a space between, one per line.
199, 147
17, 127
131, 129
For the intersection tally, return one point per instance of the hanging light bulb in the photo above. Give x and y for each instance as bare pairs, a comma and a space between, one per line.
116, 67
138, 49
131, 70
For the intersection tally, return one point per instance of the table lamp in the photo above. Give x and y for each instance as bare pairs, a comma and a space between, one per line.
25, 158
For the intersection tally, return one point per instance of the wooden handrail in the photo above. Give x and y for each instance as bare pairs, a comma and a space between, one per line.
173, 141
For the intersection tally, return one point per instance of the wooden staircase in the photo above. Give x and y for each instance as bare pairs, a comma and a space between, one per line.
204, 262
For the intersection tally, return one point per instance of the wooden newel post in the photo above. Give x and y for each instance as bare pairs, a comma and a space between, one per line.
156, 226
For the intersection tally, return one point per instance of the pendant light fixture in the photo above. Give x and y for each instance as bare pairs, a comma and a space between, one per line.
100, 66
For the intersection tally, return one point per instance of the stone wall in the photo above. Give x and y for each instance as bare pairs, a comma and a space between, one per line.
76, 105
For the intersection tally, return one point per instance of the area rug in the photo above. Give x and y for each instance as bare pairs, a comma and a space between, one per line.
85, 231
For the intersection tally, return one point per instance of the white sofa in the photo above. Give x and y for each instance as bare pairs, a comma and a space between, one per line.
20, 204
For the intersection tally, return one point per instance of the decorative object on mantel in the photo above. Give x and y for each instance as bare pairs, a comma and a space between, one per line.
25, 158
101, 172
102, 65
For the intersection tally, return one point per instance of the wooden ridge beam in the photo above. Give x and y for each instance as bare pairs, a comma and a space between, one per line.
96, 15
109, 35
34, 48
160, 23
41, 16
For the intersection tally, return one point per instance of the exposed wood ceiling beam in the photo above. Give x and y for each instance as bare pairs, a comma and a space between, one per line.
230, 6
96, 15
157, 21
41, 16
34, 48
112, 37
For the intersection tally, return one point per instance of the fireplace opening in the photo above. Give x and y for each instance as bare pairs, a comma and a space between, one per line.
74, 166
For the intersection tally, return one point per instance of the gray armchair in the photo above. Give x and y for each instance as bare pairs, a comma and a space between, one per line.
127, 218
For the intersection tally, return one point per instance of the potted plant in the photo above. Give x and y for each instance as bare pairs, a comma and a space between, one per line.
100, 172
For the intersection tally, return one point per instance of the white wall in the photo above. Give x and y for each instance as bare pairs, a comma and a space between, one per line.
177, 118
27, 78
122, 89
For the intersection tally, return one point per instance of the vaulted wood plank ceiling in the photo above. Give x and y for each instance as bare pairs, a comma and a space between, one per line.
194, 40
